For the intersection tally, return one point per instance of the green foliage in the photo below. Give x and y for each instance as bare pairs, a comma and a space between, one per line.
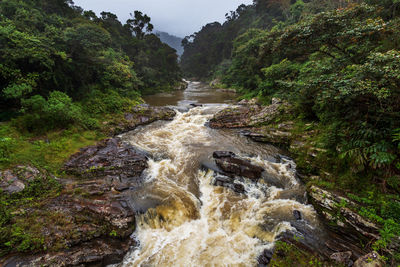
49, 151
57, 112
107, 103
339, 69
384, 210
138, 23
54, 45
7, 145
338, 64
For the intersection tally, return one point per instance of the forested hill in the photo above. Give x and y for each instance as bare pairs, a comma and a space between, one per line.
338, 65
53, 51
171, 40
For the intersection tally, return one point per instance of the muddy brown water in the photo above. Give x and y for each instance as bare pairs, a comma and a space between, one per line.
186, 221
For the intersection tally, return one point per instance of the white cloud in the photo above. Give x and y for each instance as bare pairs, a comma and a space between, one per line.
179, 17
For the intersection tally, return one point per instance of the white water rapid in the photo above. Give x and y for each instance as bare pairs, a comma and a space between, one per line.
194, 223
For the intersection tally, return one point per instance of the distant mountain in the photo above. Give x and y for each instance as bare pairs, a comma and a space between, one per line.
171, 40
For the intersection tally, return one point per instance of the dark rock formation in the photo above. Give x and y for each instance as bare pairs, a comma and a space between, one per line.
346, 227
92, 219
264, 259
297, 215
228, 182
232, 165
338, 213
195, 105
248, 114
117, 162
237, 117
229, 169
98, 252
139, 115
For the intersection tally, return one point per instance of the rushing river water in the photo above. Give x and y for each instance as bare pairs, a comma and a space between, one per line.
189, 222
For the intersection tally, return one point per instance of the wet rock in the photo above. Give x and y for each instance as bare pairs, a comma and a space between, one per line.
342, 258
207, 165
229, 168
100, 252
195, 105
370, 260
92, 219
15, 180
330, 205
297, 215
236, 117
139, 115
221, 180
280, 135
228, 182
265, 258
249, 114
111, 159
232, 165
223, 154
239, 188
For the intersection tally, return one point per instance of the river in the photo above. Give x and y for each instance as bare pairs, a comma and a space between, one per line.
186, 221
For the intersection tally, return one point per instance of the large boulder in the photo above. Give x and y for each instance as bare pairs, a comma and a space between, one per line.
233, 117
233, 165
139, 115
116, 161
249, 114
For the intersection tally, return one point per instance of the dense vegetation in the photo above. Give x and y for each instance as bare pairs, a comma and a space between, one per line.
171, 40
338, 63
65, 73
59, 62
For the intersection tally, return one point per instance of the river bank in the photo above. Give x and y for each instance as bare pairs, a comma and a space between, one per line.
190, 194
72, 210
354, 229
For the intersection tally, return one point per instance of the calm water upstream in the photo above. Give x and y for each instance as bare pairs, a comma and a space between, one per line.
186, 221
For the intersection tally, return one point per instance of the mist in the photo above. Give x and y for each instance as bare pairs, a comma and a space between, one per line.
177, 17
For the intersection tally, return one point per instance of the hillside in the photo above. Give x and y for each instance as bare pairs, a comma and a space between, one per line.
171, 40
338, 65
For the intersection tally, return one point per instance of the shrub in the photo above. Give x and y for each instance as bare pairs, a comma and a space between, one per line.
57, 112
7, 144
106, 102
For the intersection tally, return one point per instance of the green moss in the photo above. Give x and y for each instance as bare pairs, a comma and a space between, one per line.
48, 151
286, 254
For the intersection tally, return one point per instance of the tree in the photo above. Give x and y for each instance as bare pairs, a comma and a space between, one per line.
138, 23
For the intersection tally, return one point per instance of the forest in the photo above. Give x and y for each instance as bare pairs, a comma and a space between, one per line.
72, 81
58, 59
64, 73
338, 64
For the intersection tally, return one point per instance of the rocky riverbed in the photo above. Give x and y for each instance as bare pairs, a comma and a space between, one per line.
92, 218
348, 232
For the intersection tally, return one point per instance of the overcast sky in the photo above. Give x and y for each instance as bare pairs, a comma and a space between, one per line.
178, 17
